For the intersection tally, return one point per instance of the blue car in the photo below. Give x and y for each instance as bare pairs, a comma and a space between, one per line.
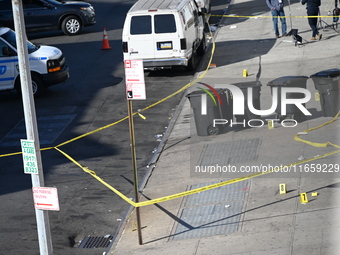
70, 17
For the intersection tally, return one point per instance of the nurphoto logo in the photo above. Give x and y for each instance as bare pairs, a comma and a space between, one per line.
204, 97
238, 104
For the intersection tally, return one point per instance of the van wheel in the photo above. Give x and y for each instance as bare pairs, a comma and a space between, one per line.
192, 62
71, 25
37, 86
202, 46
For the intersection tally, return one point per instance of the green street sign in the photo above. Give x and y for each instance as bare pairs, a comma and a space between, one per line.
29, 157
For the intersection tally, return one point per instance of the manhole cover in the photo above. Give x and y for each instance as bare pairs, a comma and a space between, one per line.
96, 242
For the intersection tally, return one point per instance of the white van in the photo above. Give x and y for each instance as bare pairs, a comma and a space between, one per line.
164, 33
47, 64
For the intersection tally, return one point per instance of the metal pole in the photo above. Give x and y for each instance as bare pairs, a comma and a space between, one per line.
290, 16
134, 166
44, 235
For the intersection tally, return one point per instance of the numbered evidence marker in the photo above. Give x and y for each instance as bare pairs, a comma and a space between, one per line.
317, 96
283, 188
303, 198
29, 157
270, 124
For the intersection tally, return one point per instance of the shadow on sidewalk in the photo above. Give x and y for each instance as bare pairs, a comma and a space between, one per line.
190, 227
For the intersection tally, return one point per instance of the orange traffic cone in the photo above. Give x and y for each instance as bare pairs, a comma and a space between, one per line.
105, 45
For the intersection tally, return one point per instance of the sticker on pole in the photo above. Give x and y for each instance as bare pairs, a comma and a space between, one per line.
46, 198
29, 157
134, 79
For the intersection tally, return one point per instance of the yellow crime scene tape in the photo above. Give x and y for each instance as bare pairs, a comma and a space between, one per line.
186, 193
205, 188
320, 145
139, 111
216, 185
194, 191
213, 186
93, 173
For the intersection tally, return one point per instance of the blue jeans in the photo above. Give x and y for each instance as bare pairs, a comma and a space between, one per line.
275, 14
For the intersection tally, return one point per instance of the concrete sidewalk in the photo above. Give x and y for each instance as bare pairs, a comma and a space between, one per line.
248, 217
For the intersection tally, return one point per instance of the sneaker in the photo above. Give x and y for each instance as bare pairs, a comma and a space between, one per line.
313, 38
285, 34
319, 36
277, 36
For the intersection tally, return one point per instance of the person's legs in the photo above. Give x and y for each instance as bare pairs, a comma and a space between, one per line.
283, 22
315, 26
313, 21
275, 14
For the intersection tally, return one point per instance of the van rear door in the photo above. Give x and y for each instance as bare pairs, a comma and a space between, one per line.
153, 36
166, 38
140, 43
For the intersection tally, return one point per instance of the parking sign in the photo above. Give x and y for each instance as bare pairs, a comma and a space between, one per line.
134, 79
29, 157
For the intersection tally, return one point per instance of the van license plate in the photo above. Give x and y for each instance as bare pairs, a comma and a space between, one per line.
164, 45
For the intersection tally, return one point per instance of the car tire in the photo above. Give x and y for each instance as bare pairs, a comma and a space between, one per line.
37, 86
192, 63
71, 25
201, 48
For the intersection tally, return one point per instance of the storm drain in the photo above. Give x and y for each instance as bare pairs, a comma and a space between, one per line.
49, 127
232, 152
96, 242
213, 212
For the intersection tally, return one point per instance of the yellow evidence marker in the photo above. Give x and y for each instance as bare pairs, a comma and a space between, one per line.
283, 188
303, 198
317, 96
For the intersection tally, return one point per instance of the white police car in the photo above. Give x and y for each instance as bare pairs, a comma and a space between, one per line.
47, 64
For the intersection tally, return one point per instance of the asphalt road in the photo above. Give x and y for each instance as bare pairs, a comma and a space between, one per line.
93, 97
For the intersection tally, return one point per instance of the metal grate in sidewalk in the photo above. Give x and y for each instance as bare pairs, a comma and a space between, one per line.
95, 242
231, 152
212, 212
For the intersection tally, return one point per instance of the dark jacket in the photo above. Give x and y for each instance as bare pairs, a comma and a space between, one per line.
312, 4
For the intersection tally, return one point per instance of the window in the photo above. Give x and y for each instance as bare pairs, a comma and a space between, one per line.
140, 25
188, 15
165, 23
2, 46
10, 38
